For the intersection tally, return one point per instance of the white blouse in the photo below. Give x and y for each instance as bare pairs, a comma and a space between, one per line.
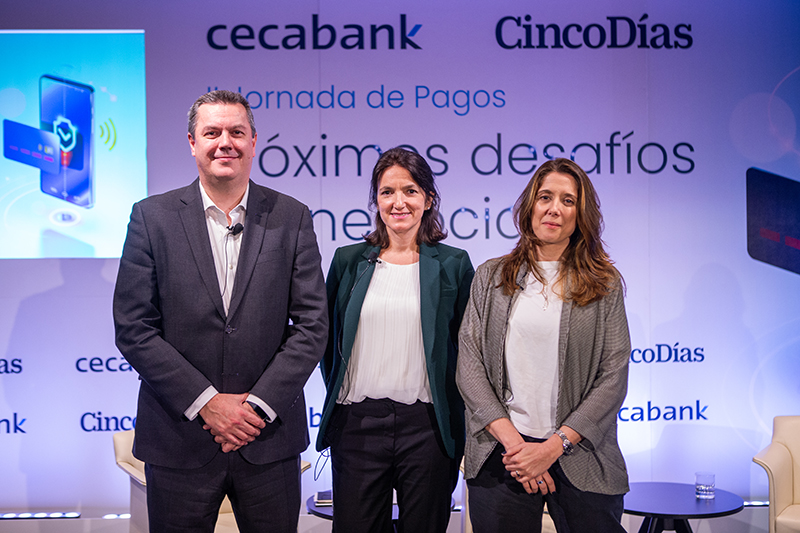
532, 355
388, 357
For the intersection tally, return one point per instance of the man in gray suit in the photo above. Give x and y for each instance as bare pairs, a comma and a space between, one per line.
220, 307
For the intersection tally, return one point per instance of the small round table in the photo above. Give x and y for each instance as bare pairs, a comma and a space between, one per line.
326, 511
669, 506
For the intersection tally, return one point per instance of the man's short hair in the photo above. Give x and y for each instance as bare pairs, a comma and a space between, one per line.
220, 97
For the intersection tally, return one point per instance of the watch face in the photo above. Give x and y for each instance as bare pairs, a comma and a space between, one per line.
568, 447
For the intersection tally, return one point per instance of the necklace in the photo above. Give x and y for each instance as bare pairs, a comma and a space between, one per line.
549, 276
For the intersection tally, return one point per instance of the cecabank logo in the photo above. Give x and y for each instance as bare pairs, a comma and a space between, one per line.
316, 37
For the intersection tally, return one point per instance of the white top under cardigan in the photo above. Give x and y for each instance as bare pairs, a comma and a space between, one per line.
532, 355
388, 356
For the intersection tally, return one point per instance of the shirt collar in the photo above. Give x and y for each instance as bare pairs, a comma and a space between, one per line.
208, 202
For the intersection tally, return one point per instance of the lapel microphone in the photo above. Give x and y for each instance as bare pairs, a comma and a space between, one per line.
371, 260
234, 231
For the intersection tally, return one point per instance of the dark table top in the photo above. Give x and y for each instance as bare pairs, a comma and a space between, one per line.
677, 501
326, 511
322, 511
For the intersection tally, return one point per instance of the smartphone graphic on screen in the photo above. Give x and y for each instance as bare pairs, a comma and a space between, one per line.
66, 108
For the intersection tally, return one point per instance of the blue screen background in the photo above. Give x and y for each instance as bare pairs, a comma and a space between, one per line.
38, 225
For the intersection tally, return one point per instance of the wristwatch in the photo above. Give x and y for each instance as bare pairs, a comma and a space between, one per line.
568, 446
259, 411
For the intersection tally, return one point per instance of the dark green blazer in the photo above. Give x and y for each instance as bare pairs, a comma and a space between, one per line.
445, 275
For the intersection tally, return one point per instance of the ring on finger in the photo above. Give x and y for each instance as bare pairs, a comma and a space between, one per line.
540, 482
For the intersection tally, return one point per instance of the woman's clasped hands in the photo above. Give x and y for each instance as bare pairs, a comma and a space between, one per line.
528, 463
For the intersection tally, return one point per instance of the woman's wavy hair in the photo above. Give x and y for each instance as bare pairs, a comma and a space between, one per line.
586, 270
430, 229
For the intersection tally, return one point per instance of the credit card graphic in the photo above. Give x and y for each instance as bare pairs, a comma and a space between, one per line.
31, 146
773, 219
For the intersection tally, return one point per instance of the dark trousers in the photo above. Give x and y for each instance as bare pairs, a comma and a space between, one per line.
263, 497
378, 445
498, 503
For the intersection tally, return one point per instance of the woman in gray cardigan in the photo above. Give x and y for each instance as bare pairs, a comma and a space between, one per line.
543, 368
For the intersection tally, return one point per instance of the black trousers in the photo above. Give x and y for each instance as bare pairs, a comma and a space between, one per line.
378, 445
498, 503
263, 497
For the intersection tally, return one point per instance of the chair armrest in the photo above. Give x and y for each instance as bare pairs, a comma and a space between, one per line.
123, 453
132, 470
777, 461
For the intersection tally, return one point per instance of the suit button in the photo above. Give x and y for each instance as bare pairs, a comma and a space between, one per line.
229, 329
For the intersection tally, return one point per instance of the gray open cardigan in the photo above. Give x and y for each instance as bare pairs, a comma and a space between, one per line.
593, 352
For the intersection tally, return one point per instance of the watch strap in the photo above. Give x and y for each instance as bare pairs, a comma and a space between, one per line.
259, 411
568, 446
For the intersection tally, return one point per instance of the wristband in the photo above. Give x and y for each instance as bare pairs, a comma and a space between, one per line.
568, 446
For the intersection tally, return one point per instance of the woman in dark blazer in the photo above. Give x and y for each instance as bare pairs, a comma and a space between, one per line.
393, 417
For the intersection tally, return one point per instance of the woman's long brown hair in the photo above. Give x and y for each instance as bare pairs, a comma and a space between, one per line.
585, 269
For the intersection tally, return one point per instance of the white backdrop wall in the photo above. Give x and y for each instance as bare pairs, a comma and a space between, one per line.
666, 119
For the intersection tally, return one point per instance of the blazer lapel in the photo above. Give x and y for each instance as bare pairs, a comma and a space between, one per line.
259, 206
428, 295
563, 333
356, 293
194, 224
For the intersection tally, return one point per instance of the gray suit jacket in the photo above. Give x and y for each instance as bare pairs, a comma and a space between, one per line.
593, 351
171, 326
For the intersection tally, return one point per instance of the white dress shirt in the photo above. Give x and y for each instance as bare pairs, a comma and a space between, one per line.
225, 247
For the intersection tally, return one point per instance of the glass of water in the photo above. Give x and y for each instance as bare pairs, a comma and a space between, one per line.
704, 485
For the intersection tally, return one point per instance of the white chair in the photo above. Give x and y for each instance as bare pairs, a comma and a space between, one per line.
466, 523
123, 451
781, 460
